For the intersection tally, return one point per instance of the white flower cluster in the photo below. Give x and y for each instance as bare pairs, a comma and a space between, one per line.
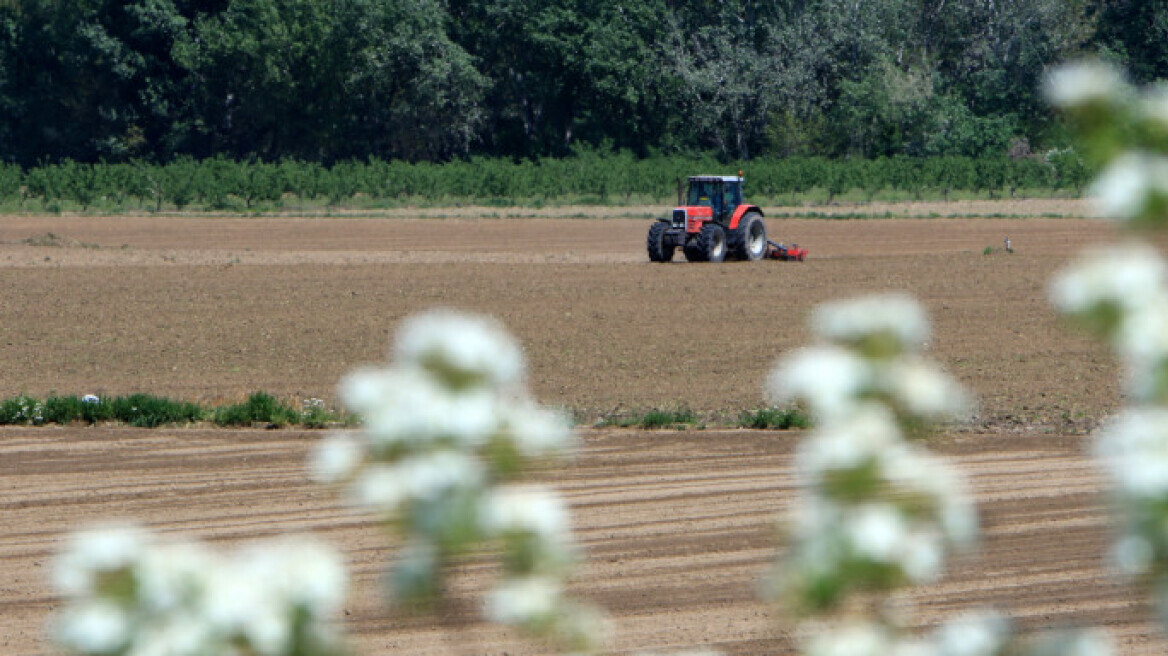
1133, 448
872, 354
882, 511
448, 430
1121, 293
877, 511
1085, 83
129, 593
976, 634
1133, 185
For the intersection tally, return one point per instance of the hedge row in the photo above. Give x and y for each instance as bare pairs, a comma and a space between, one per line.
588, 177
149, 411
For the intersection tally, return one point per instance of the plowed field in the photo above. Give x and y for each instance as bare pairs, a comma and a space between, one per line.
678, 525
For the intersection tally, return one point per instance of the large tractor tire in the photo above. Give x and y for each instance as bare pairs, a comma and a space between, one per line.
749, 241
711, 243
658, 250
693, 251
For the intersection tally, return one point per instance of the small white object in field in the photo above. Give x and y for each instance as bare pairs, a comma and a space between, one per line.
90, 398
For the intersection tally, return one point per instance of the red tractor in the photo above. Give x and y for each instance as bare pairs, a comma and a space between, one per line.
712, 225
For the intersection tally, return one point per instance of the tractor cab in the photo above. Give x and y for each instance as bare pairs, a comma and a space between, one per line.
722, 194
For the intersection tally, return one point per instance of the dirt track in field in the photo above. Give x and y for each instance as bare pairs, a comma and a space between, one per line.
678, 526
678, 529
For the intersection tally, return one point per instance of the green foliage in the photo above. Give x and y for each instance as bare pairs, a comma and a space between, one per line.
677, 418
589, 176
667, 418
260, 407
149, 411
437, 80
22, 410
775, 418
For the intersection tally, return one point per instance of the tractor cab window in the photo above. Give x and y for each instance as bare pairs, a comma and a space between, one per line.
733, 194
701, 193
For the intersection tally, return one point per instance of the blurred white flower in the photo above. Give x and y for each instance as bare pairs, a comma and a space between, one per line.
1076, 642
684, 652
1124, 188
1154, 104
336, 458
1133, 555
923, 558
1081, 83
829, 379
530, 509
240, 602
896, 316
924, 390
175, 636
535, 431
848, 441
523, 600
852, 639
93, 551
1142, 337
422, 477
406, 406
913, 473
380, 487
1133, 448
459, 346
976, 634
443, 424
171, 576
1126, 277
1141, 341
179, 599
877, 531
96, 626
1090, 642
301, 572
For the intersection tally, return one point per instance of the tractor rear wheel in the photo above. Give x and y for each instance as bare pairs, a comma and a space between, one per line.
750, 239
658, 250
711, 243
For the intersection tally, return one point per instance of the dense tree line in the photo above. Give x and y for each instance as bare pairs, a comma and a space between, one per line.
435, 80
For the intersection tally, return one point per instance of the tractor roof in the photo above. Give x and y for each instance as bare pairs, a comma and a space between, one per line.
715, 178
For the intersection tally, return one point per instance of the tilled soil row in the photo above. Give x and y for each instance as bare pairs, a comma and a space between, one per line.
678, 527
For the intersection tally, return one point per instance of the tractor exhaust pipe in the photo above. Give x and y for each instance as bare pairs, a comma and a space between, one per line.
679, 192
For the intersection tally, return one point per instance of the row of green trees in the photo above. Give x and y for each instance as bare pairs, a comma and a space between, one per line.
221, 183
433, 80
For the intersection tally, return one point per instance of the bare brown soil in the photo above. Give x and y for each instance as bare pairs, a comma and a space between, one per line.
211, 309
678, 526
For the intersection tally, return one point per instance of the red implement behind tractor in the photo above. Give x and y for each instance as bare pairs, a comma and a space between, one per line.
713, 223
785, 253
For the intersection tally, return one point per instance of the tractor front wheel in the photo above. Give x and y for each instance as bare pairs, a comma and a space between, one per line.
711, 243
750, 239
658, 250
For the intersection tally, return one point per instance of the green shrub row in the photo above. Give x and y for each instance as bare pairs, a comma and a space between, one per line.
261, 408
682, 418
148, 411
589, 177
